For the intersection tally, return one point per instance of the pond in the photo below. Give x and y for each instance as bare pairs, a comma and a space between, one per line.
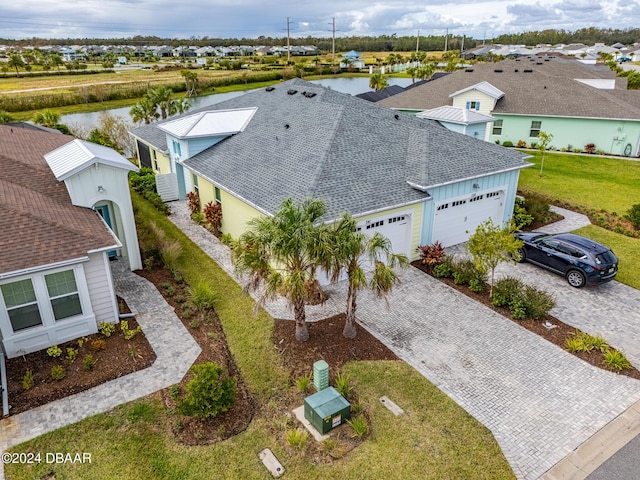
352, 85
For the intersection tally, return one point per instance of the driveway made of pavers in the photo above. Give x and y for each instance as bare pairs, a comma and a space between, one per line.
539, 402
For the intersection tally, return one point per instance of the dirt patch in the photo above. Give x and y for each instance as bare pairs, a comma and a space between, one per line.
557, 335
118, 357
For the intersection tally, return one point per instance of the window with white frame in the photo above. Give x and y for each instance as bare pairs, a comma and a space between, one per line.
63, 294
497, 128
21, 304
473, 105
535, 128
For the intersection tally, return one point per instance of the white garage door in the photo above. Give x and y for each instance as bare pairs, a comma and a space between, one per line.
396, 228
456, 220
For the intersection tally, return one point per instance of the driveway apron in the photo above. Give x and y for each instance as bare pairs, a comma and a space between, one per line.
539, 402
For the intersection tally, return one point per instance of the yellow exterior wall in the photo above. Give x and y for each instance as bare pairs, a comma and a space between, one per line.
235, 213
486, 102
164, 165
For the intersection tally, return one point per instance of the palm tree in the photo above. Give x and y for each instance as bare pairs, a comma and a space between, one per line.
425, 72
350, 249
161, 98
281, 253
5, 117
15, 61
179, 105
378, 81
412, 71
144, 111
47, 118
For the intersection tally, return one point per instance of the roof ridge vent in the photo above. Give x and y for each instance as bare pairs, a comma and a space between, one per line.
292, 92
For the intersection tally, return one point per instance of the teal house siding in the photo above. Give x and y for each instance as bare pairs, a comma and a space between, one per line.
614, 136
198, 145
506, 180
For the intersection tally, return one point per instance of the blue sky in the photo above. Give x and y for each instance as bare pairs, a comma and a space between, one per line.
252, 18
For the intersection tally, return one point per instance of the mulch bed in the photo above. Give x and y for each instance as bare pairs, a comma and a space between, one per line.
119, 357
558, 335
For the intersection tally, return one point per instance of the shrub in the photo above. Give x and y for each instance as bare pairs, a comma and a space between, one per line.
144, 182
506, 291
72, 354
507, 143
615, 360
342, 385
537, 303
537, 206
213, 215
89, 362
464, 271
521, 218
129, 333
54, 351
534, 144
476, 285
521, 144
297, 438
359, 425
27, 380
107, 328
98, 345
198, 218
590, 148
209, 392
226, 239
202, 298
304, 382
633, 215
58, 372
194, 202
583, 342
432, 255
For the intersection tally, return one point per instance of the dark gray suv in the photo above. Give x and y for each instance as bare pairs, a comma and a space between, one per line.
581, 260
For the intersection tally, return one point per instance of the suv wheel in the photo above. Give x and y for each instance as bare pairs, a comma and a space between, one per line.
522, 255
576, 278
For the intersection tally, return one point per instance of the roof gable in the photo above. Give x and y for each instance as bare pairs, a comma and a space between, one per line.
77, 155
462, 116
484, 87
209, 123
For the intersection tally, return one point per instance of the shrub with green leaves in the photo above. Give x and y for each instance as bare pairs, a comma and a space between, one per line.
129, 333
72, 354
58, 372
476, 285
521, 218
209, 392
107, 328
537, 206
464, 271
524, 301
89, 362
615, 360
304, 382
506, 290
360, 426
54, 351
342, 385
297, 438
633, 215
444, 269
28, 381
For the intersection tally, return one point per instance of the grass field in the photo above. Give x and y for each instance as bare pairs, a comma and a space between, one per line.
434, 439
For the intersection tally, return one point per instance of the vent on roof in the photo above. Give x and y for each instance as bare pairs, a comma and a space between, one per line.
468, 69
309, 94
270, 89
527, 70
292, 92
546, 59
396, 116
538, 63
498, 70
286, 125
516, 70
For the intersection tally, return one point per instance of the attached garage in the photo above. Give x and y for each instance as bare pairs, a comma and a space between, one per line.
455, 220
396, 227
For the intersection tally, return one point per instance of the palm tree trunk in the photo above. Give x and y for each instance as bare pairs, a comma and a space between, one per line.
302, 329
349, 330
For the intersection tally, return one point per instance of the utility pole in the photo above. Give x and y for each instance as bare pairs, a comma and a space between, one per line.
484, 35
333, 41
462, 47
418, 42
446, 38
288, 47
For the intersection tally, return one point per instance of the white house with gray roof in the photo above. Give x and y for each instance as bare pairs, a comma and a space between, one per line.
408, 178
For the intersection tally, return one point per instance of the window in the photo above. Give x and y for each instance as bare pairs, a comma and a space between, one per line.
458, 202
396, 219
22, 306
176, 148
63, 294
535, 128
473, 105
443, 206
218, 198
195, 183
374, 224
497, 127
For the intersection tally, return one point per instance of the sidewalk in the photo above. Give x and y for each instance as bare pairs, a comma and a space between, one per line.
175, 348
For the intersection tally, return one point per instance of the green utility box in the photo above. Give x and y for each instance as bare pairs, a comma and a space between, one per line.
326, 410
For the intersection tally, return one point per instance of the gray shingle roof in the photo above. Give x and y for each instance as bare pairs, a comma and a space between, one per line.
549, 88
355, 155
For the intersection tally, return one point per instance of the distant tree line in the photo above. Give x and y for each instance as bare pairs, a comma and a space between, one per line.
381, 43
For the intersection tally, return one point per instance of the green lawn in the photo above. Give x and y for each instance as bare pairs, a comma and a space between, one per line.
434, 439
612, 184
599, 183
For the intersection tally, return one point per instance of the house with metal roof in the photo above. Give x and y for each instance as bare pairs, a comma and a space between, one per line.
579, 104
408, 178
66, 211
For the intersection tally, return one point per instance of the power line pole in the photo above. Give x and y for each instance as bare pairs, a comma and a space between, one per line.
333, 41
288, 47
446, 38
418, 42
462, 47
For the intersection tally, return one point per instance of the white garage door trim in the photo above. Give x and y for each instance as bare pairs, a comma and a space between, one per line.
395, 226
456, 219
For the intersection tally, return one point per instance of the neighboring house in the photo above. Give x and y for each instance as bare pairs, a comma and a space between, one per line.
352, 59
410, 179
66, 210
579, 104
461, 120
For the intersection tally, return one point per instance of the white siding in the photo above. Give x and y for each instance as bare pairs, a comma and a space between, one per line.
100, 286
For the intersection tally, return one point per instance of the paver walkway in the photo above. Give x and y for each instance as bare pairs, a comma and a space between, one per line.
175, 348
539, 402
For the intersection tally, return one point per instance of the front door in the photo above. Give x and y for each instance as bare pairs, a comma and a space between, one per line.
103, 211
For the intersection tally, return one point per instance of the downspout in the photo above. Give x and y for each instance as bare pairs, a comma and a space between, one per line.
3, 387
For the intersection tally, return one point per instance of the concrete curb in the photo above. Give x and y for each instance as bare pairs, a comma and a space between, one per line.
585, 459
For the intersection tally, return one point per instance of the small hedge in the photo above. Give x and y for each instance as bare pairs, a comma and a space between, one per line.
144, 182
524, 301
